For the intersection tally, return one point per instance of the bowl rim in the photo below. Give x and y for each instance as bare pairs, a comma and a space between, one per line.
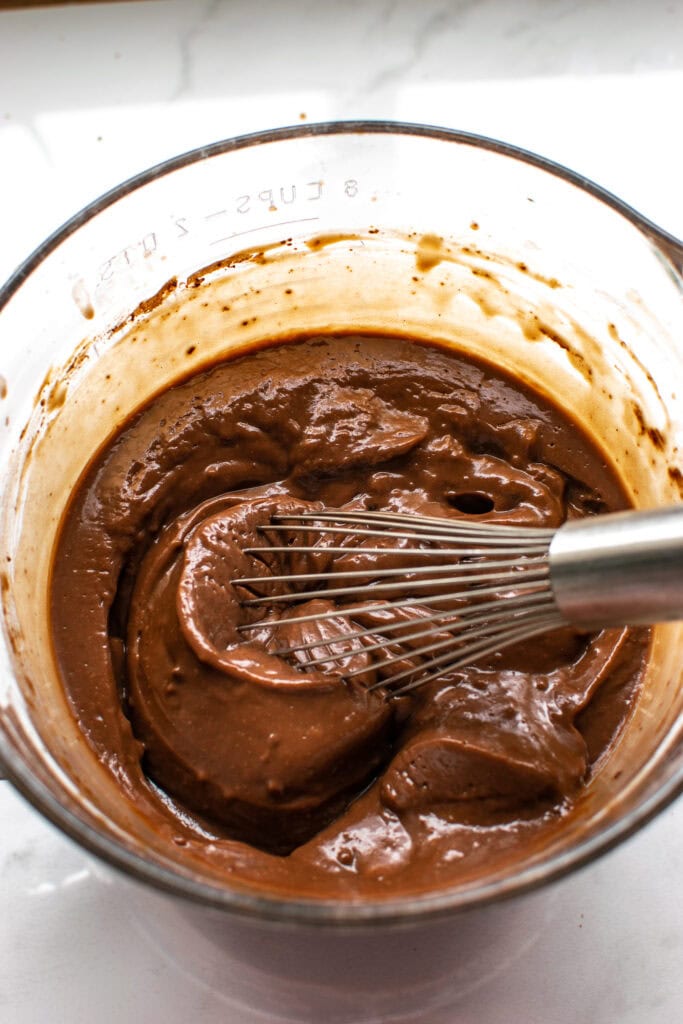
281, 909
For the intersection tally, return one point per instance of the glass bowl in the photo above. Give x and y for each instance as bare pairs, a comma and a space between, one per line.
403, 228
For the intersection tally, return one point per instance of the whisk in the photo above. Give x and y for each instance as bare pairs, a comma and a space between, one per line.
470, 589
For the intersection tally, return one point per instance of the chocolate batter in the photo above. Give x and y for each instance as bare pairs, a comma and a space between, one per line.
290, 778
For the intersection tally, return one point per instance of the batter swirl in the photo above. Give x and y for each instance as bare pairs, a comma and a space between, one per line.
286, 774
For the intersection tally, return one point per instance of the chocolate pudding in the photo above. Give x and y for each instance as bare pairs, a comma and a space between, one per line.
289, 777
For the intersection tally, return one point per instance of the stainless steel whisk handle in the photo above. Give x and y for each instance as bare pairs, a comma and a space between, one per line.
624, 568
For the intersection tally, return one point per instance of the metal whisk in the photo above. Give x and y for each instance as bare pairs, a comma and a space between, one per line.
455, 591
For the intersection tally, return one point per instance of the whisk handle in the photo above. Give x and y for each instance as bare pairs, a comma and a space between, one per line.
625, 568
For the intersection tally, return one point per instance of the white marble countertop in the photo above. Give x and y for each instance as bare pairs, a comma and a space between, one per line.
91, 94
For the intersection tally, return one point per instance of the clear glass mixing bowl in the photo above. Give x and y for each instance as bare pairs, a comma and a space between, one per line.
399, 227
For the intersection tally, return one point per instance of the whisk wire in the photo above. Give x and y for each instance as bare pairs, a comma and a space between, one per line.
431, 535
408, 602
316, 549
522, 574
522, 601
467, 567
418, 524
494, 580
481, 631
457, 628
488, 645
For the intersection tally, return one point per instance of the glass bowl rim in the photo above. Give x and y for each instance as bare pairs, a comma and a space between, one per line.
272, 908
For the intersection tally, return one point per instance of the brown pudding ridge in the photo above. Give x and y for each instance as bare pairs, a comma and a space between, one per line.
292, 779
